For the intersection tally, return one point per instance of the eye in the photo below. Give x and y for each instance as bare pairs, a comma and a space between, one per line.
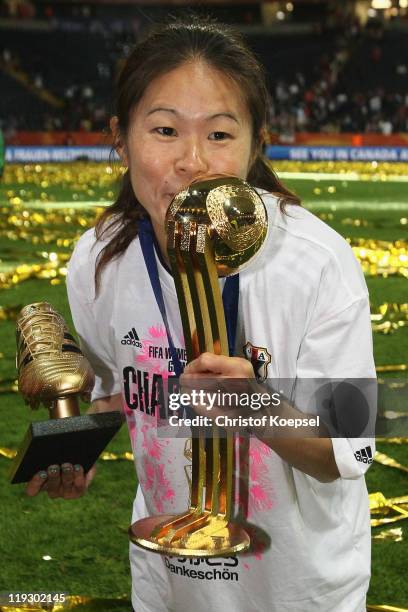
219, 136
165, 131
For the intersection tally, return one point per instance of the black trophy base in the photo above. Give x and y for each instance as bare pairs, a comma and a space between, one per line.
78, 439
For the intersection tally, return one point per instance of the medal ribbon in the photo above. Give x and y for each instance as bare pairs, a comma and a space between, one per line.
230, 294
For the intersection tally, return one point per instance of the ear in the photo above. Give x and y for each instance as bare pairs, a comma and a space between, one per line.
118, 141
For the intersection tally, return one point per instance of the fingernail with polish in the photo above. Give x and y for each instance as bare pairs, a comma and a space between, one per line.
43, 474
53, 469
66, 467
77, 467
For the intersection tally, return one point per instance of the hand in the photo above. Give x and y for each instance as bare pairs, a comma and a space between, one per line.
208, 365
67, 481
204, 376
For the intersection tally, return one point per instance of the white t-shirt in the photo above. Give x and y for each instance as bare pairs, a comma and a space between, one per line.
304, 301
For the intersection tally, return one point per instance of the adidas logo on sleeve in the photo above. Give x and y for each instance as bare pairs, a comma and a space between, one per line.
131, 338
364, 455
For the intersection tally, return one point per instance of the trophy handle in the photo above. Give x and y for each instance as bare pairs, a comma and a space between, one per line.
206, 528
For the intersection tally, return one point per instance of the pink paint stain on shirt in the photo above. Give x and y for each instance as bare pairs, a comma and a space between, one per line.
138, 421
158, 331
131, 422
260, 483
259, 543
155, 483
258, 488
150, 471
152, 445
157, 338
154, 476
154, 358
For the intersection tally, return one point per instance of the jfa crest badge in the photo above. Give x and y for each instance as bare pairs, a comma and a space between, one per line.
260, 359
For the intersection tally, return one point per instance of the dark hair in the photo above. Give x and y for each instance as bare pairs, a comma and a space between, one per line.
166, 47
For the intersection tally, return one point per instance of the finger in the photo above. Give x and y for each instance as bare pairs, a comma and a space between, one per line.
67, 473
54, 481
206, 362
219, 365
67, 478
79, 480
36, 484
90, 476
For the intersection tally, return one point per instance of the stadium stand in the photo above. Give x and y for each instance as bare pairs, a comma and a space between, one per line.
325, 78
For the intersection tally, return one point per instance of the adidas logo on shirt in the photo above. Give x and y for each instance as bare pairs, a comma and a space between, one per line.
131, 338
364, 455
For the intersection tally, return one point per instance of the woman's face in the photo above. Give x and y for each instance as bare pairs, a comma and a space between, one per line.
190, 122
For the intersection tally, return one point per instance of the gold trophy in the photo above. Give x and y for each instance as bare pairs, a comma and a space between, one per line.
214, 227
52, 370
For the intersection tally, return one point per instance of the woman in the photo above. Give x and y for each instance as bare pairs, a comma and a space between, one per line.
192, 102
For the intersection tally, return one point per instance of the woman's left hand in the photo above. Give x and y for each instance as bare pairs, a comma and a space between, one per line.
210, 365
203, 374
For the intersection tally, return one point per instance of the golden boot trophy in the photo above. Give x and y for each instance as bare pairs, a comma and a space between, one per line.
214, 227
52, 370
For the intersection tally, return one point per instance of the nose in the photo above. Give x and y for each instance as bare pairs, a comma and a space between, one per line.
192, 159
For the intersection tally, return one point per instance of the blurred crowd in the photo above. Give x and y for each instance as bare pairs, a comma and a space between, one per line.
351, 90
355, 85
328, 107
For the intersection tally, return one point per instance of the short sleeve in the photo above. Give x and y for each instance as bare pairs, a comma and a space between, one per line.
353, 456
338, 347
93, 343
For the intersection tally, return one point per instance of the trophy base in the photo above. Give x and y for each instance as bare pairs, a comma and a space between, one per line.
78, 439
218, 538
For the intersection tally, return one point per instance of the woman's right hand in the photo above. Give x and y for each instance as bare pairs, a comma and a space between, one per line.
67, 481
